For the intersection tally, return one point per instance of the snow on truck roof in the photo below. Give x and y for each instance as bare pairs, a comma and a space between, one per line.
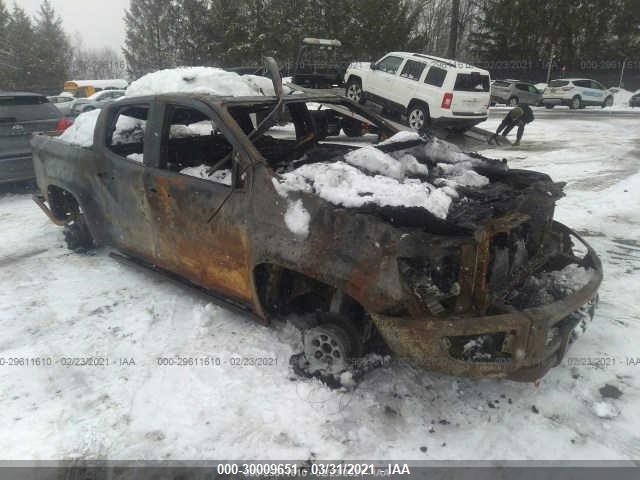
204, 80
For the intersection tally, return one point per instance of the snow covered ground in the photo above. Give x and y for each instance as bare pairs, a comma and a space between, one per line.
58, 305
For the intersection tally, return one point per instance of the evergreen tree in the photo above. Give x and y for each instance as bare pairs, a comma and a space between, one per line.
21, 62
151, 41
51, 49
4, 65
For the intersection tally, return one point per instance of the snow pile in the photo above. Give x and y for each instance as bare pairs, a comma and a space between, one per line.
208, 80
297, 218
197, 129
370, 176
204, 171
373, 160
342, 184
136, 157
81, 132
621, 97
605, 410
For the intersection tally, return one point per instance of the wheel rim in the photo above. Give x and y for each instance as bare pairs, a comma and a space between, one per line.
513, 102
576, 102
327, 349
608, 102
416, 119
354, 92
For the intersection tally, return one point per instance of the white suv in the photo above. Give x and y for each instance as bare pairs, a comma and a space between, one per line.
425, 90
576, 93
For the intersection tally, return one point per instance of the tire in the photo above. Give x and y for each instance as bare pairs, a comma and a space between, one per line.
418, 118
548, 106
608, 102
576, 103
513, 101
330, 345
352, 127
353, 90
77, 235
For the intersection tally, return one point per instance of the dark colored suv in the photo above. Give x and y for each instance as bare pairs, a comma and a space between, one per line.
22, 114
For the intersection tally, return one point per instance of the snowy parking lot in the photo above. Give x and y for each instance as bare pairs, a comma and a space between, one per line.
56, 307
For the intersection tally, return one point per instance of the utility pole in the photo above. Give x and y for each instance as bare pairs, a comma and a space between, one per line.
453, 30
553, 52
624, 62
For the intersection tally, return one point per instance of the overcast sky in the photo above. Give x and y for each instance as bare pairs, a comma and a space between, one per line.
99, 22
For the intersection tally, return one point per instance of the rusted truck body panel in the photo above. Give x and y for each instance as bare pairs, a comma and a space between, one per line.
427, 287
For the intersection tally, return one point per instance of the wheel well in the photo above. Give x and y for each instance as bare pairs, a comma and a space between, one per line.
63, 203
283, 291
415, 101
355, 78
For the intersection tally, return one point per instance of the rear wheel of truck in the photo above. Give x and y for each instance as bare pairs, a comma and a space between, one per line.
353, 90
77, 235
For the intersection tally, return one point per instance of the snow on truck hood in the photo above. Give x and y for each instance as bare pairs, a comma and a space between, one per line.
369, 175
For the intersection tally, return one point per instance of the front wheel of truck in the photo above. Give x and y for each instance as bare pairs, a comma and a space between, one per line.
77, 235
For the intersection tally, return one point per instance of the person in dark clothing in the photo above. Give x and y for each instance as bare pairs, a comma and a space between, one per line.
517, 117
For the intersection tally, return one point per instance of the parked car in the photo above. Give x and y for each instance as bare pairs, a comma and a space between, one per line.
634, 101
576, 93
422, 90
22, 114
62, 103
95, 101
464, 293
512, 92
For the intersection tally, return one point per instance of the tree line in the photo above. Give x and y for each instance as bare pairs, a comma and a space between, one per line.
240, 32
37, 54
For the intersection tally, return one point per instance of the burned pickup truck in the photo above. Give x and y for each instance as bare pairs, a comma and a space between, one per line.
450, 260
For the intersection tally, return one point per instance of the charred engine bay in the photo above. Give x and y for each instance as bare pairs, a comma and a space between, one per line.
508, 191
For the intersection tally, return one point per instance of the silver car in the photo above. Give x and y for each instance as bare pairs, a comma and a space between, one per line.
22, 114
512, 92
62, 103
95, 101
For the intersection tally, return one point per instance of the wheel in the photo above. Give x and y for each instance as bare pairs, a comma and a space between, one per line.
492, 104
353, 90
418, 117
330, 346
608, 101
352, 127
77, 235
513, 101
548, 106
576, 103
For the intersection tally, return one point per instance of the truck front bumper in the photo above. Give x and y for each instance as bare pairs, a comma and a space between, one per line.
538, 337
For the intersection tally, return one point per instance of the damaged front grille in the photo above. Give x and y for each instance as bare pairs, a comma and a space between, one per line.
490, 347
509, 256
432, 283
